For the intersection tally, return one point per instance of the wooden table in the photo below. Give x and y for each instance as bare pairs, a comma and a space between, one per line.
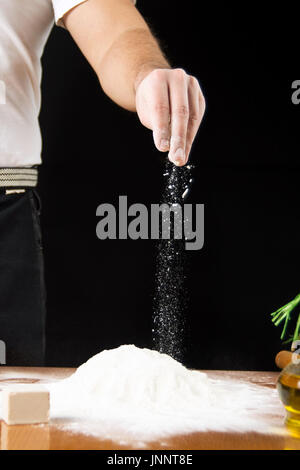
53, 437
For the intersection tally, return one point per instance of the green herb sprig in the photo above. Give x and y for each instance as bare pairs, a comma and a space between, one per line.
284, 314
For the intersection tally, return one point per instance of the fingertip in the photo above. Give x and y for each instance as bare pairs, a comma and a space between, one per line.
164, 145
161, 143
178, 158
176, 161
186, 159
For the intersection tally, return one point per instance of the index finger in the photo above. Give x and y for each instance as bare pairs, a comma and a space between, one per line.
160, 113
179, 116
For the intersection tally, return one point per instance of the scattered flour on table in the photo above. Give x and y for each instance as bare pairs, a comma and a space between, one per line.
146, 394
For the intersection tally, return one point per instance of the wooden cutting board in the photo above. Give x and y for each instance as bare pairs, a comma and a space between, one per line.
54, 436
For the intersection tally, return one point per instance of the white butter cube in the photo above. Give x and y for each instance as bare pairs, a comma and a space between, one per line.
25, 404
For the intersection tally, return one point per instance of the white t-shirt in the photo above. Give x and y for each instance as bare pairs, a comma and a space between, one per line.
24, 29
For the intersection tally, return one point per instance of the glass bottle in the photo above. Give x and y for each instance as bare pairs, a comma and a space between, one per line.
288, 386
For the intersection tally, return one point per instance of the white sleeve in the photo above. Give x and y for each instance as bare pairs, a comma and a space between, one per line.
61, 7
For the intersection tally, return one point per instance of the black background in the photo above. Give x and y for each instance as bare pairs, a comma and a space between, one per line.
247, 175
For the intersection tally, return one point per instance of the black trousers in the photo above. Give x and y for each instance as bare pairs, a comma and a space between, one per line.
22, 287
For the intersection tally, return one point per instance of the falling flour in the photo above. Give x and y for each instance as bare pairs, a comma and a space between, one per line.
170, 279
144, 394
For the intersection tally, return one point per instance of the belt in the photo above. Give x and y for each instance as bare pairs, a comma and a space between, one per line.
12, 191
18, 177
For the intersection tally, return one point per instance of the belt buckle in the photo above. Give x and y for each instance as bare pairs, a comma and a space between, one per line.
14, 191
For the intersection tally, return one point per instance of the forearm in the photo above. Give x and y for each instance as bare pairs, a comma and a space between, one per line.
118, 44
131, 57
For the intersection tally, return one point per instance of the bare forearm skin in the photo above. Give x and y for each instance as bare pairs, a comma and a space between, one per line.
118, 44
131, 57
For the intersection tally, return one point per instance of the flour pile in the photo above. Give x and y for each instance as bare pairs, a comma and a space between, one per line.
141, 392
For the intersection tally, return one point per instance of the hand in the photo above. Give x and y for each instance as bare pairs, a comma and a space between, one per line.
171, 104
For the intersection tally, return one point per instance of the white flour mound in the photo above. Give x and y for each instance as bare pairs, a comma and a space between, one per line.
141, 392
